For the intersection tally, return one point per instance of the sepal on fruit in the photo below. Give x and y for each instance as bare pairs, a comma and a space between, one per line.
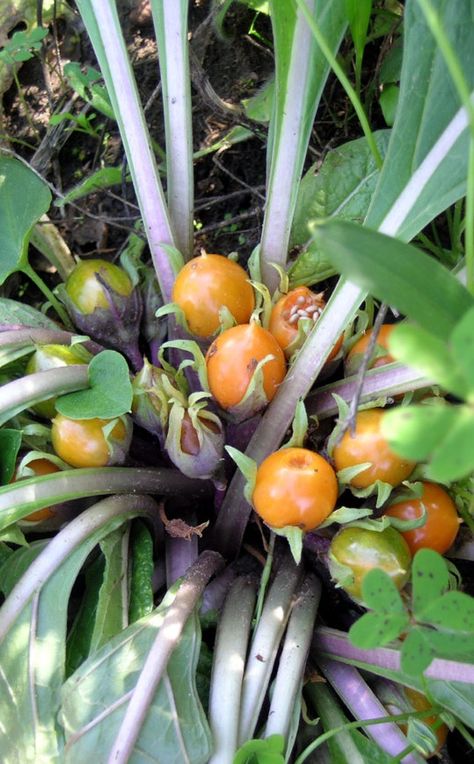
150, 407
195, 437
117, 324
255, 398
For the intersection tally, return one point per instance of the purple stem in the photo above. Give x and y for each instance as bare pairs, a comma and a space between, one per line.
336, 644
20, 335
216, 592
389, 380
364, 705
180, 555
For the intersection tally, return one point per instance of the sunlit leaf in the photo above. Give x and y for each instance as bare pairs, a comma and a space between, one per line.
416, 431
454, 457
420, 349
462, 345
95, 697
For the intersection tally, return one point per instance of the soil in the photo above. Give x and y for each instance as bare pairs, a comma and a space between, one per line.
229, 64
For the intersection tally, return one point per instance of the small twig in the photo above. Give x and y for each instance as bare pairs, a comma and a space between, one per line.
238, 180
224, 198
349, 424
206, 91
228, 222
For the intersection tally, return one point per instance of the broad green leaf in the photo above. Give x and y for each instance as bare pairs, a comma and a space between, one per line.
397, 273
376, 629
428, 103
94, 699
454, 611
380, 593
105, 177
430, 579
342, 187
33, 681
462, 347
13, 312
301, 71
454, 457
10, 442
420, 349
416, 431
24, 198
110, 392
142, 566
416, 652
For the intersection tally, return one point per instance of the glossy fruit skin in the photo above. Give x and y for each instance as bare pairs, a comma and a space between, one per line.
82, 443
284, 322
362, 550
41, 467
442, 522
420, 703
53, 357
295, 486
232, 358
355, 354
84, 287
369, 445
208, 283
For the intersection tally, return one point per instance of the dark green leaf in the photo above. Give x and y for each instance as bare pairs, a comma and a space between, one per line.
79, 639
110, 392
380, 593
377, 629
454, 611
428, 103
416, 431
13, 312
462, 345
24, 198
111, 614
416, 652
341, 187
397, 273
430, 579
420, 349
94, 699
454, 457
141, 560
10, 442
